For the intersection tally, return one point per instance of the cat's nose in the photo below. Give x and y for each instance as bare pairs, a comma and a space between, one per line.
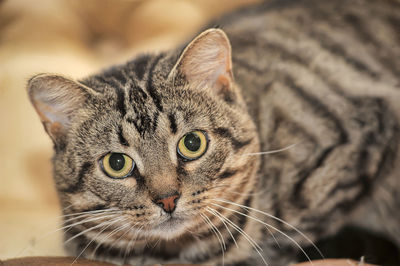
168, 203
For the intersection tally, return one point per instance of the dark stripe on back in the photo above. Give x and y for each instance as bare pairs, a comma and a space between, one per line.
155, 121
364, 33
322, 111
245, 64
336, 49
386, 160
395, 24
288, 57
384, 167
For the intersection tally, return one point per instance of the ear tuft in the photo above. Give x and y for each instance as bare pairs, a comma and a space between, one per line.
206, 61
56, 99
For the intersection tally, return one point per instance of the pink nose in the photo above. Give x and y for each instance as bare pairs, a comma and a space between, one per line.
168, 203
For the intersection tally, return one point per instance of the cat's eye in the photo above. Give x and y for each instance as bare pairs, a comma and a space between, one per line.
117, 165
193, 145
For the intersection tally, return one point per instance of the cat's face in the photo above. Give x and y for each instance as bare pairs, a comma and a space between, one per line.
152, 142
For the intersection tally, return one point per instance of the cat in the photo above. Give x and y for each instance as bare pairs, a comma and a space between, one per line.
168, 158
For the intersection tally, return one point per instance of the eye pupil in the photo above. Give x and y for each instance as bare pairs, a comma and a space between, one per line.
117, 161
192, 142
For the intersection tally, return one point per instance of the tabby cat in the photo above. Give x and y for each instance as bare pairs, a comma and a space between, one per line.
166, 158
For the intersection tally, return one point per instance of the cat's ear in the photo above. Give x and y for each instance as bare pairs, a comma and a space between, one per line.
206, 62
56, 100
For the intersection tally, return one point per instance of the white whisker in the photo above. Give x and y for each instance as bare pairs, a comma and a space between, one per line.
210, 210
87, 212
271, 151
87, 220
277, 219
116, 230
216, 229
127, 249
68, 227
217, 234
253, 243
240, 231
45, 235
273, 227
121, 236
94, 238
90, 228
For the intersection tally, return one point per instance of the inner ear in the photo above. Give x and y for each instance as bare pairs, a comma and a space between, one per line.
206, 62
57, 99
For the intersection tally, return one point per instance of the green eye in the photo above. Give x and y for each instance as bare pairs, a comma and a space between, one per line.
117, 165
192, 145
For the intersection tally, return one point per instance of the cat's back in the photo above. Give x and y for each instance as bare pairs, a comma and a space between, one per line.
333, 51
324, 75
351, 45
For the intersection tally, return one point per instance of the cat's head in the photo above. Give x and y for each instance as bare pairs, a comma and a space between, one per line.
153, 141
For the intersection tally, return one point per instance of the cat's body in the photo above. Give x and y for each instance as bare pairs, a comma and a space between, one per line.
324, 75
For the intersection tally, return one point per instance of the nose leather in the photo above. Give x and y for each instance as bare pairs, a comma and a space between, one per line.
168, 204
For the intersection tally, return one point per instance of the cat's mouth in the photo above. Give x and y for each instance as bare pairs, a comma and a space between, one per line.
171, 222
170, 227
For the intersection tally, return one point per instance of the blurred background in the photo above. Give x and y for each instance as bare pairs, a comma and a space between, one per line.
75, 38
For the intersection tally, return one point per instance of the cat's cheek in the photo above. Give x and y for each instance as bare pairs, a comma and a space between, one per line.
129, 182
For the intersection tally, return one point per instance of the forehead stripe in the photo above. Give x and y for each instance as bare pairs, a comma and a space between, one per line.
150, 86
172, 123
121, 137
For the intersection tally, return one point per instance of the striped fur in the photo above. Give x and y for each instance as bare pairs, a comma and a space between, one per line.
323, 75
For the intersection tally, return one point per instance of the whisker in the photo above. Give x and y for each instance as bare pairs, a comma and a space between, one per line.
212, 226
240, 231
277, 219
273, 227
93, 239
271, 151
222, 220
127, 249
238, 193
116, 230
273, 236
90, 228
45, 235
121, 236
62, 228
67, 207
87, 220
253, 243
222, 238
87, 212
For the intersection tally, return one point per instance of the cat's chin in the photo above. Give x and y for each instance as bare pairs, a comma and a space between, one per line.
170, 227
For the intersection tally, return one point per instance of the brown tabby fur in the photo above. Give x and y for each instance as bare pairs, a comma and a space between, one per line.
323, 75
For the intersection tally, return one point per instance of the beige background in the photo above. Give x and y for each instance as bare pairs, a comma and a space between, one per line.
75, 38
